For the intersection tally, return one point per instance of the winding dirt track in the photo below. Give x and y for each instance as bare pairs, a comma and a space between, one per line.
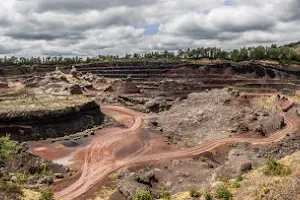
100, 161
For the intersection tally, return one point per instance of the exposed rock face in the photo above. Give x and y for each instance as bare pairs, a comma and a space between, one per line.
23, 161
75, 89
39, 124
157, 105
123, 87
272, 124
3, 84
128, 188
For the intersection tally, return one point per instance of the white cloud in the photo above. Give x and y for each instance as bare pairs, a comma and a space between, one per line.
92, 27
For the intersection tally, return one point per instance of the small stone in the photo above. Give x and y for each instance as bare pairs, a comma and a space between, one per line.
59, 175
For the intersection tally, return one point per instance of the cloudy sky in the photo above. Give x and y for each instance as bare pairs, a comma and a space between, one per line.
93, 27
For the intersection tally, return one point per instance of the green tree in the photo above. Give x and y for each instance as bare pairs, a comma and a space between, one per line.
7, 148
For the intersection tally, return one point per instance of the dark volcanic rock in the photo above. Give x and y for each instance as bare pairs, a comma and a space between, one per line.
39, 124
75, 89
157, 105
247, 166
123, 87
128, 188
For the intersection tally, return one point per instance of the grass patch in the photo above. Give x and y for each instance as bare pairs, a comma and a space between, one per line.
194, 193
202, 158
274, 168
165, 194
223, 193
207, 195
239, 178
224, 179
235, 184
143, 194
47, 194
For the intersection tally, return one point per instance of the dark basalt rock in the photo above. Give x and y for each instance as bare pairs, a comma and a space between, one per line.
40, 124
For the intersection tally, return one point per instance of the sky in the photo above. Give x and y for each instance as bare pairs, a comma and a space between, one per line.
93, 27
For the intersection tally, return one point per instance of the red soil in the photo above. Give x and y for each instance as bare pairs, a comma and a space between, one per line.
118, 148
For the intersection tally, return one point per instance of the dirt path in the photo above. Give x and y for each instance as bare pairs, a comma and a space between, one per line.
100, 160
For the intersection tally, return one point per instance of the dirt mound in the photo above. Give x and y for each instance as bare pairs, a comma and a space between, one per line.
157, 104
210, 115
59, 83
123, 87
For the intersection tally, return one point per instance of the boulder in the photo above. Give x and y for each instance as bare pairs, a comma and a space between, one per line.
245, 167
123, 87
129, 188
3, 85
158, 104
147, 178
75, 89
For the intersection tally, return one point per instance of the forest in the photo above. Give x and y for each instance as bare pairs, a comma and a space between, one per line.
284, 54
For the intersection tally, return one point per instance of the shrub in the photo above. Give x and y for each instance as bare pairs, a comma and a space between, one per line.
194, 193
235, 184
7, 148
74, 68
45, 171
239, 178
207, 196
223, 193
10, 187
165, 194
275, 168
202, 159
143, 194
224, 179
47, 194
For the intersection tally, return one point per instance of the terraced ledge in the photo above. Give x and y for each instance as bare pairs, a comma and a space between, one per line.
54, 118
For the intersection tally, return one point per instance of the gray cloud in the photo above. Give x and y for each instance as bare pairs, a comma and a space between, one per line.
92, 27
79, 5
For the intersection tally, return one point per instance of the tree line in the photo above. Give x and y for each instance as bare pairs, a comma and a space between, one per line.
284, 54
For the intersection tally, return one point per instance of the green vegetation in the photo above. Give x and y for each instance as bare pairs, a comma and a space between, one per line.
10, 187
194, 193
165, 194
47, 194
240, 178
232, 145
283, 54
223, 193
89, 125
274, 168
74, 68
143, 194
224, 179
202, 158
236, 184
207, 195
45, 171
7, 147
129, 76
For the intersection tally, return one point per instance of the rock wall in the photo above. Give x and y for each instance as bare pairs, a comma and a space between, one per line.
41, 125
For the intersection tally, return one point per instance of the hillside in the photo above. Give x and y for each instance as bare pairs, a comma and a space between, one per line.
295, 45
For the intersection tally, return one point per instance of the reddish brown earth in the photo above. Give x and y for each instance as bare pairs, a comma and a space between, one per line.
113, 149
